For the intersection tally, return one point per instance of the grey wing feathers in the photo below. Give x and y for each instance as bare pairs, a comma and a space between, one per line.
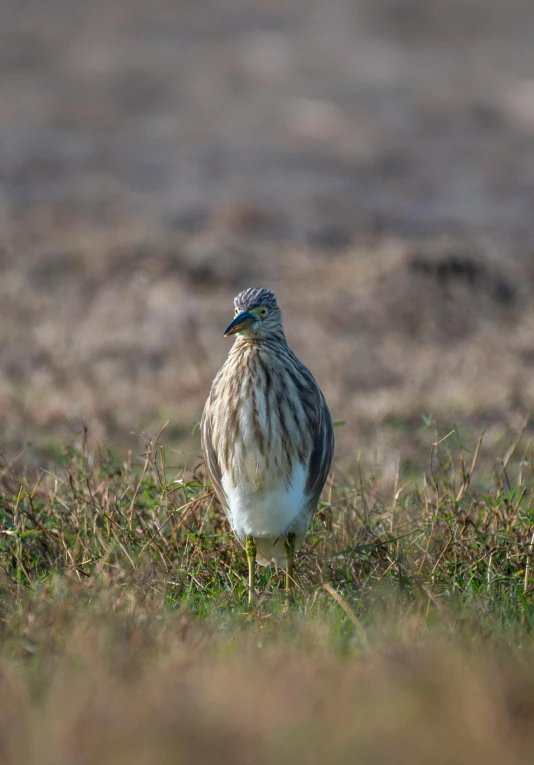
210, 457
321, 456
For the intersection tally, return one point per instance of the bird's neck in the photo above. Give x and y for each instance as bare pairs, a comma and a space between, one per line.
250, 340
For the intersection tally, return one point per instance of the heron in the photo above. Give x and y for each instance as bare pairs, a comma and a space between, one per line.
267, 437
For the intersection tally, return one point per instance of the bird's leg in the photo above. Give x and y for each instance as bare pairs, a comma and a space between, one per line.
250, 547
289, 545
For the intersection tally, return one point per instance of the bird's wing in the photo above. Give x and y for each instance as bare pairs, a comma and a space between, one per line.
210, 456
322, 451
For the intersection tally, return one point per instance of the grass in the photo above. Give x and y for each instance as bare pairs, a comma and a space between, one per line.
126, 635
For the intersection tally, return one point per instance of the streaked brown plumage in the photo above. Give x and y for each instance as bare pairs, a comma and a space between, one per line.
266, 435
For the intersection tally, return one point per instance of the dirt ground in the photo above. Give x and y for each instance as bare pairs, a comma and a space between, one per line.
371, 161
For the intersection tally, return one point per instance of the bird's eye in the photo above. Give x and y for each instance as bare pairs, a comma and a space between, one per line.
263, 312
236, 311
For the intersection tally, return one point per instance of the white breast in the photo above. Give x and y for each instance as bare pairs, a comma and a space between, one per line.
268, 511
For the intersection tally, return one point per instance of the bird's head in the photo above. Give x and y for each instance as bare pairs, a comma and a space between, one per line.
256, 314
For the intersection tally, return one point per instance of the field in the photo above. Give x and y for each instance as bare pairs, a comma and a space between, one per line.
370, 161
126, 635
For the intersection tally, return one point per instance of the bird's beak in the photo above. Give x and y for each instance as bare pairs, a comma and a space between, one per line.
243, 320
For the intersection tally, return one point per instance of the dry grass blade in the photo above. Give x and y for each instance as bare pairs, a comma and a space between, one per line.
339, 600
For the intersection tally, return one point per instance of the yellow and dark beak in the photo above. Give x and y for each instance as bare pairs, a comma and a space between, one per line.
243, 320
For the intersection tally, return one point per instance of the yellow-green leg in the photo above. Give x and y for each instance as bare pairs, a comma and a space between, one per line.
250, 547
289, 545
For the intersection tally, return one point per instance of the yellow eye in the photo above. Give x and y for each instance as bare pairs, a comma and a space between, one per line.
263, 312
236, 311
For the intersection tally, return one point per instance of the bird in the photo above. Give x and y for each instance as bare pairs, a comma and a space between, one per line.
267, 437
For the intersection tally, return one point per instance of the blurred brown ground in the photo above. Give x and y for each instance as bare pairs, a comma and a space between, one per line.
176, 697
371, 161
141, 687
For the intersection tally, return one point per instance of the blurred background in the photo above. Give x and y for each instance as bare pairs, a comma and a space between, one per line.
371, 161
